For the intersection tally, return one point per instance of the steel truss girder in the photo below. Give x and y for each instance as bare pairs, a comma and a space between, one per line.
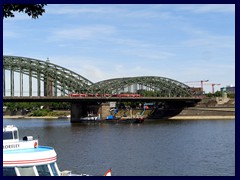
164, 87
68, 81
63, 79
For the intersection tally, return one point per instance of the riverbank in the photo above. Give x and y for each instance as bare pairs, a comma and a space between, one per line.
202, 118
172, 118
30, 117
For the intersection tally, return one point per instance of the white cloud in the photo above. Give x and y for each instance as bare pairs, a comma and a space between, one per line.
82, 32
148, 13
205, 8
110, 11
211, 41
77, 9
130, 42
150, 54
93, 73
10, 34
205, 38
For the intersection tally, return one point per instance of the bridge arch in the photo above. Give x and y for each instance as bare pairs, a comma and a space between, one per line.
60, 78
165, 87
57, 78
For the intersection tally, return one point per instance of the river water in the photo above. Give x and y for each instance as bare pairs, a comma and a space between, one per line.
153, 148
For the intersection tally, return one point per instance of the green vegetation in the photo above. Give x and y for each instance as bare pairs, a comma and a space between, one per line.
40, 112
39, 108
48, 112
33, 10
36, 105
219, 94
231, 95
216, 94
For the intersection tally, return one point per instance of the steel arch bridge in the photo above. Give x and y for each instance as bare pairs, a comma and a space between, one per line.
162, 86
56, 78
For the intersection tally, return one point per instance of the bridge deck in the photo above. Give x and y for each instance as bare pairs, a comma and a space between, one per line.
97, 99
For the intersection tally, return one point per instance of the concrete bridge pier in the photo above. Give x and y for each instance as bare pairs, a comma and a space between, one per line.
81, 109
104, 110
76, 111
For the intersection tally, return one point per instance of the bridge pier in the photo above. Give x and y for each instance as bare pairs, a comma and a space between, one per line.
104, 110
81, 109
167, 109
76, 111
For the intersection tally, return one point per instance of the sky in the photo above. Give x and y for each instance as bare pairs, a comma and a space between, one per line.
184, 42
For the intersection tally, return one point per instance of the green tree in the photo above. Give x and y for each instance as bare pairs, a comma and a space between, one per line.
33, 10
218, 94
209, 95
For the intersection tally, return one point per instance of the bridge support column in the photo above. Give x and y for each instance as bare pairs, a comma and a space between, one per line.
104, 110
81, 109
77, 111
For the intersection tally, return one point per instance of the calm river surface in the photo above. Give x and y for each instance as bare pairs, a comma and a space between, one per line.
153, 148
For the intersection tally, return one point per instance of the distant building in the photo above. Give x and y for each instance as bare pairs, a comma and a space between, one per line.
197, 90
228, 89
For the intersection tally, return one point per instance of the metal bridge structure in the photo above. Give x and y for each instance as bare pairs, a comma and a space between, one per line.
163, 87
49, 79
31, 80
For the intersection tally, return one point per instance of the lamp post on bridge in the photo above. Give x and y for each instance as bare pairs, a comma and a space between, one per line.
47, 81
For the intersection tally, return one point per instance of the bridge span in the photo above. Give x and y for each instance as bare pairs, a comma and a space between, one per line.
96, 99
80, 106
31, 80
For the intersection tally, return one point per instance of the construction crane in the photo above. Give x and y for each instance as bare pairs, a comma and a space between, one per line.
201, 81
212, 84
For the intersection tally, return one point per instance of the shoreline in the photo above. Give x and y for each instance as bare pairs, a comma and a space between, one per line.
171, 118
202, 118
30, 117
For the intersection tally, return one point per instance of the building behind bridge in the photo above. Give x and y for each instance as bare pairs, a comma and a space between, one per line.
228, 89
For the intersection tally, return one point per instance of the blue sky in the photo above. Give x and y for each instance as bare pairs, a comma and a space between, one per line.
183, 42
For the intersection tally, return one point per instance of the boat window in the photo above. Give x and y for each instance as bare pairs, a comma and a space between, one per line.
54, 170
15, 134
7, 135
9, 171
43, 170
26, 171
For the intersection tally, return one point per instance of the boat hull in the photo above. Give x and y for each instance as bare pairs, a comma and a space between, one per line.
29, 157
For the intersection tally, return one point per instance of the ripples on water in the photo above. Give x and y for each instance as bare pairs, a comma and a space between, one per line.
154, 148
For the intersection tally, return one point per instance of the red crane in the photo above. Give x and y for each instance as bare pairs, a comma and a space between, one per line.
201, 81
212, 84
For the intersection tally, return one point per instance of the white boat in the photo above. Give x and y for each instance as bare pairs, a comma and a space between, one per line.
91, 117
26, 158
